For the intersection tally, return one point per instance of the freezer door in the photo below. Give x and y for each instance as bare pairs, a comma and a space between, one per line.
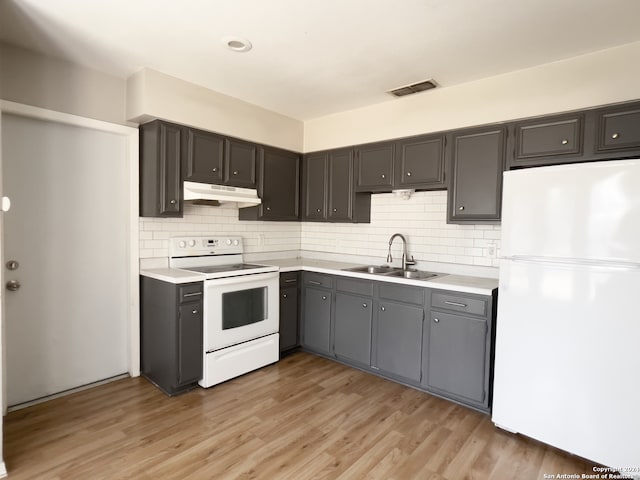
588, 211
567, 361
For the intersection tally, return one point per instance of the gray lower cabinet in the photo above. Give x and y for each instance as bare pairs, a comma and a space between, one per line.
317, 298
397, 337
458, 347
352, 328
289, 311
171, 334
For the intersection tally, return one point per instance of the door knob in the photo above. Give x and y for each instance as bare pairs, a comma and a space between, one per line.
13, 285
12, 265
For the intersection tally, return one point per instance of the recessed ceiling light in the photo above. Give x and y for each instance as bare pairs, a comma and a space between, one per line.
237, 44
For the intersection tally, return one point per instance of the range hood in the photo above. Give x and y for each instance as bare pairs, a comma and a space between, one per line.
207, 194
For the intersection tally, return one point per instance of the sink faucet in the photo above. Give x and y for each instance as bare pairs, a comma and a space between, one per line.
405, 261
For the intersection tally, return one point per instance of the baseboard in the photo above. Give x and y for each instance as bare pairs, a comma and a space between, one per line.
3, 470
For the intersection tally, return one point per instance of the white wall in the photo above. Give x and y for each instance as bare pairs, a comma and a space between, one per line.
33, 79
151, 94
599, 78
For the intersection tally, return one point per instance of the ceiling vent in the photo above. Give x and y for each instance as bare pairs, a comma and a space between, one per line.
414, 88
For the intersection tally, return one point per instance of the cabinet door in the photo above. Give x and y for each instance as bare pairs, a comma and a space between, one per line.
477, 163
458, 356
205, 154
240, 163
618, 129
169, 169
549, 141
340, 186
288, 318
189, 343
352, 328
419, 163
314, 186
317, 319
375, 167
398, 340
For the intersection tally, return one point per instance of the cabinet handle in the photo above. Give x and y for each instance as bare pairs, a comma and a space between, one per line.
194, 311
335, 209
564, 141
383, 176
408, 174
284, 295
290, 280
456, 304
268, 209
194, 294
615, 135
318, 210
172, 202
364, 305
383, 309
324, 297
235, 172
435, 320
313, 282
214, 169
461, 207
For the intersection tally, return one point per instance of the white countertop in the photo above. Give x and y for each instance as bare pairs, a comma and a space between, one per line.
458, 283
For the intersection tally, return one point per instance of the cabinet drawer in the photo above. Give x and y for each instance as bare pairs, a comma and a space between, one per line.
318, 280
288, 279
190, 292
549, 138
619, 129
401, 293
360, 287
457, 303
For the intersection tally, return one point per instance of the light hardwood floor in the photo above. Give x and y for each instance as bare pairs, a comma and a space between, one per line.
303, 418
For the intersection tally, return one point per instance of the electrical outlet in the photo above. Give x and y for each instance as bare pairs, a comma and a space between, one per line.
491, 250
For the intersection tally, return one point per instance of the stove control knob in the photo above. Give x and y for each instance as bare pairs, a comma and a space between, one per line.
192, 243
182, 244
236, 243
228, 241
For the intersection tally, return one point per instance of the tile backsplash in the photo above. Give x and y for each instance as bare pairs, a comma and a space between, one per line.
421, 219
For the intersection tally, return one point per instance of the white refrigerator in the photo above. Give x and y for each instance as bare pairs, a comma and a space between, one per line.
567, 356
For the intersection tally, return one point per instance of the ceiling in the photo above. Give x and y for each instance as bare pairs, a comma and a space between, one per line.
316, 57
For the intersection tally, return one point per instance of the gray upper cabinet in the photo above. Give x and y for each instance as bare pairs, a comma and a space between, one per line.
375, 167
549, 140
161, 150
240, 163
477, 163
618, 130
420, 163
314, 187
340, 186
278, 187
328, 188
205, 157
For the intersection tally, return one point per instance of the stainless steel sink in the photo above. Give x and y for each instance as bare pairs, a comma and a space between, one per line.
388, 271
413, 274
379, 269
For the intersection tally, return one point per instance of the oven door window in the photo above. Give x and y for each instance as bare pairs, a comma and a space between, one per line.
244, 307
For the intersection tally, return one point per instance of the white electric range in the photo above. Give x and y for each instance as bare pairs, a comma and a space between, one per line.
241, 306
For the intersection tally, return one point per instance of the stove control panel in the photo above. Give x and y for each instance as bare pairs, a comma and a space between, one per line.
199, 246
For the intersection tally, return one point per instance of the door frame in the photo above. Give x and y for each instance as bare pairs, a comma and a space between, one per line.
133, 245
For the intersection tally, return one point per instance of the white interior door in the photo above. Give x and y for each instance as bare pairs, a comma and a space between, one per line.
66, 325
